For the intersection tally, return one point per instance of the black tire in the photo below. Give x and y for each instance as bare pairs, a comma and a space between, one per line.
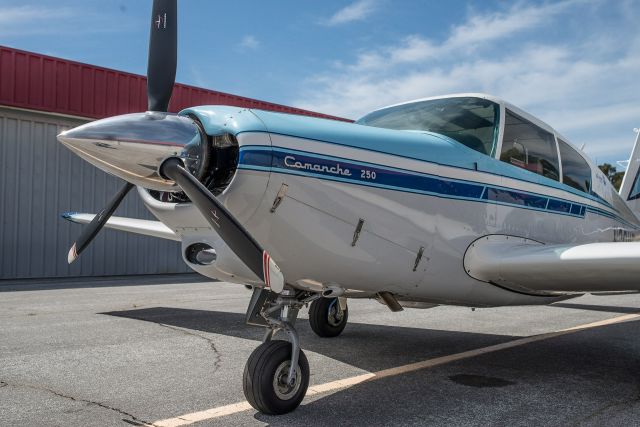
326, 317
265, 363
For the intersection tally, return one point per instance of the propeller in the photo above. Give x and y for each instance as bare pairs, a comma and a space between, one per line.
163, 48
226, 225
122, 136
97, 223
161, 74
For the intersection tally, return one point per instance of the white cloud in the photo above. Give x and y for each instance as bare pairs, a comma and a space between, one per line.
28, 18
354, 12
249, 42
31, 20
27, 13
479, 29
473, 34
586, 86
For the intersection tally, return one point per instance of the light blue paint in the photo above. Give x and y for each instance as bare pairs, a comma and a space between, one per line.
423, 146
220, 119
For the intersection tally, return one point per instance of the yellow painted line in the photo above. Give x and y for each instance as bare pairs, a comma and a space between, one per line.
207, 414
334, 386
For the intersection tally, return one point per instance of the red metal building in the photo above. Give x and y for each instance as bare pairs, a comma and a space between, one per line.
44, 83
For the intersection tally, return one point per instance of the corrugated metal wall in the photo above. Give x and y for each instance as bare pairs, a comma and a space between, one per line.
39, 180
44, 83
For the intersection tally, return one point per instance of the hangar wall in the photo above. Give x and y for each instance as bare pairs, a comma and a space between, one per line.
39, 180
41, 95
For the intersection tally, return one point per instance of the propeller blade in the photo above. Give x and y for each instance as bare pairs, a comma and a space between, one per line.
97, 223
226, 225
161, 75
163, 45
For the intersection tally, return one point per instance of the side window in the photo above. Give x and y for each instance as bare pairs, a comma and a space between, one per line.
527, 146
576, 172
635, 191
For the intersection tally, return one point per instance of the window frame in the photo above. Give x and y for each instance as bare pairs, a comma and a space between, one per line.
560, 169
496, 154
498, 144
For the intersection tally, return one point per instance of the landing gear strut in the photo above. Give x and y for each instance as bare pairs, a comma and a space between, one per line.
276, 375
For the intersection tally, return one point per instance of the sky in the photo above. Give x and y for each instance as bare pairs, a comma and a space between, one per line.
573, 63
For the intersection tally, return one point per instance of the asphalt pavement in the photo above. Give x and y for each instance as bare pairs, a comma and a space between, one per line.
152, 350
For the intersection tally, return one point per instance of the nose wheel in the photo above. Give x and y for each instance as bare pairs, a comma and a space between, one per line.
276, 376
327, 317
266, 382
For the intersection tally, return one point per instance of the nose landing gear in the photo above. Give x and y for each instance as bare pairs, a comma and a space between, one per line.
276, 376
266, 381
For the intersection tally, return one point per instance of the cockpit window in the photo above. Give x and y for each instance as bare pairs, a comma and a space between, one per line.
470, 121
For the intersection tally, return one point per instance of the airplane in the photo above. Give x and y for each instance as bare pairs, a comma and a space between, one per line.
454, 200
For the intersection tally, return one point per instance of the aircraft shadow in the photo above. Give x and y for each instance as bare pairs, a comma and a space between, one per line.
369, 347
558, 381
590, 376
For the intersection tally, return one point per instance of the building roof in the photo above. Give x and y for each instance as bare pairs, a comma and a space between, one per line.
45, 83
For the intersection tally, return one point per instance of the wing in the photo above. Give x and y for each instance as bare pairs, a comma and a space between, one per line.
131, 225
526, 265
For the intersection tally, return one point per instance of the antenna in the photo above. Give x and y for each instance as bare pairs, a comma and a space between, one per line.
623, 163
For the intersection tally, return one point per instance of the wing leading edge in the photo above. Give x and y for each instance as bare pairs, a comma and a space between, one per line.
525, 265
131, 225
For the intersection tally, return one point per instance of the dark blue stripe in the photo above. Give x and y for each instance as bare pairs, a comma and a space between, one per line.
599, 198
559, 206
338, 169
511, 172
351, 171
576, 209
511, 197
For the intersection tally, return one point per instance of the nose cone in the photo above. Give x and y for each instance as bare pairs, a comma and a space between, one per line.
133, 146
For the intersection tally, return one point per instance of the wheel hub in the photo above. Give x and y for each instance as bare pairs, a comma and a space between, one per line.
281, 385
335, 314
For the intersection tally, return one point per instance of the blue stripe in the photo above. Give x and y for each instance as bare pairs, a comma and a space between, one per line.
598, 198
493, 167
422, 146
601, 212
302, 163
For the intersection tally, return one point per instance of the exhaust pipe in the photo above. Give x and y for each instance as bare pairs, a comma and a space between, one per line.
390, 301
332, 291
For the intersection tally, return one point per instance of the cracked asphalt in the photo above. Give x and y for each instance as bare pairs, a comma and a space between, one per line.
131, 351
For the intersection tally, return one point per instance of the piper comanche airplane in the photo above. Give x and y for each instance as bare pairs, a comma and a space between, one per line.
461, 199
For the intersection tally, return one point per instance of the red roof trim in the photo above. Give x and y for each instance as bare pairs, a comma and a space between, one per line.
45, 83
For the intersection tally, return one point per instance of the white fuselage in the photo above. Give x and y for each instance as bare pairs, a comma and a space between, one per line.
312, 233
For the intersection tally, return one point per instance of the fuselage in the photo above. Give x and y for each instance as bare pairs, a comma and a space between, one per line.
371, 209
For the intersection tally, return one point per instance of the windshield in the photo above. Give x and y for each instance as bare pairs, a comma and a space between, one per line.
470, 121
